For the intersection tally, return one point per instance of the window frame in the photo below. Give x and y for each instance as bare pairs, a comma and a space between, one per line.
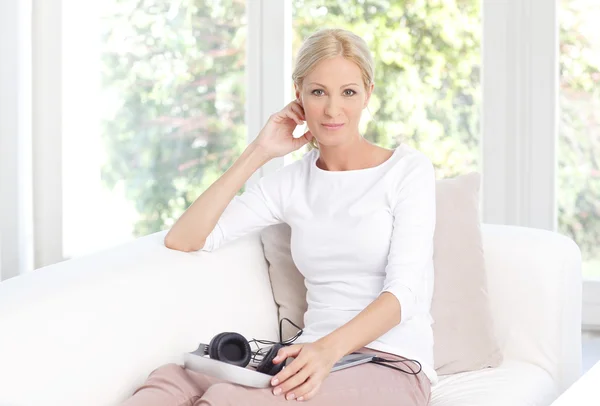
520, 85
16, 247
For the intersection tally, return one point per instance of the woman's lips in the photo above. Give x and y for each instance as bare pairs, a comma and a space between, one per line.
333, 126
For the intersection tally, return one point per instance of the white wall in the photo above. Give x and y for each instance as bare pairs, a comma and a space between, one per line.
15, 139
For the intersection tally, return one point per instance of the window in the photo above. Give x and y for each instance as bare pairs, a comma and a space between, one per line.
578, 188
153, 112
427, 73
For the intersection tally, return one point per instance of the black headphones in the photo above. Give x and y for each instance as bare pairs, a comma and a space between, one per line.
234, 349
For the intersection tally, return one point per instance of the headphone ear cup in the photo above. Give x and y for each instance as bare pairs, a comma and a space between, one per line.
231, 348
266, 366
212, 346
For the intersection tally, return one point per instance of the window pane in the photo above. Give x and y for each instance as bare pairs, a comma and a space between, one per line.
154, 104
579, 141
427, 73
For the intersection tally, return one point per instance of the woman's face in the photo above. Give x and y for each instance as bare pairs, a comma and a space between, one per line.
333, 96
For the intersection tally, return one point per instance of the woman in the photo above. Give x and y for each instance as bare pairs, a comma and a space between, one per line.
362, 220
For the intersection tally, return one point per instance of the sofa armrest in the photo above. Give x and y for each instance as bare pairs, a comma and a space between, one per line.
88, 331
535, 290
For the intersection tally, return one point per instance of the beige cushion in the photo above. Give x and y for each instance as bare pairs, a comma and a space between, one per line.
287, 282
463, 328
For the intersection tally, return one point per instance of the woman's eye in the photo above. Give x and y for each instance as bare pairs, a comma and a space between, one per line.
347, 92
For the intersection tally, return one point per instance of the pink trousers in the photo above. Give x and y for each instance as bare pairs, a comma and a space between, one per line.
365, 384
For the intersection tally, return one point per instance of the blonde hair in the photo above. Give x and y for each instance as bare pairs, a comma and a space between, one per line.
329, 43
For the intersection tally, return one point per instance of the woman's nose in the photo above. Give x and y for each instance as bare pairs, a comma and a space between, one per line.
332, 108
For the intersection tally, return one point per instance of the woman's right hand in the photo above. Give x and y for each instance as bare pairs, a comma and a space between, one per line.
276, 138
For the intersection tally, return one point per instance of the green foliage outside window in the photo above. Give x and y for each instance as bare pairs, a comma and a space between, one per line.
178, 69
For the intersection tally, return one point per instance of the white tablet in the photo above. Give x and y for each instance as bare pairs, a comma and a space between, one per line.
248, 376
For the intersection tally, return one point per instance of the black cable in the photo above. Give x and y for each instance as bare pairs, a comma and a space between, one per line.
375, 360
379, 361
281, 330
262, 351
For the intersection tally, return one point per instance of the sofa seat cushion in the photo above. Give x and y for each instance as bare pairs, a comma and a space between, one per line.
513, 383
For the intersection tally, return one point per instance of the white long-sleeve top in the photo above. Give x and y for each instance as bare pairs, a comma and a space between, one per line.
354, 235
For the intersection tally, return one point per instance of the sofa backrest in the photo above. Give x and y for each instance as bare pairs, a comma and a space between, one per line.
89, 330
534, 286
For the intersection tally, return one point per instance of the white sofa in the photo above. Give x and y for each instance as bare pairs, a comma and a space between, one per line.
88, 331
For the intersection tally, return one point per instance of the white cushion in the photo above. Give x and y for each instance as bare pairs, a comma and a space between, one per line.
88, 331
513, 383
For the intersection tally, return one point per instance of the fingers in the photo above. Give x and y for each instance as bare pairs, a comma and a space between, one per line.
294, 116
290, 369
294, 111
289, 387
297, 108
305, 139
311, 391
286, 352
288, 113
293, 375
302, 378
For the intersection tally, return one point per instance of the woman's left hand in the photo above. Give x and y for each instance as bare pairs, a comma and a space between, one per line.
302, 378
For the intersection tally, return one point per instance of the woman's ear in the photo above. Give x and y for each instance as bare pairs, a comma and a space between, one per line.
298, 94
369, 93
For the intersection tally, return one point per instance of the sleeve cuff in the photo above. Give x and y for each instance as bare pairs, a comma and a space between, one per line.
407, 299
213, 240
